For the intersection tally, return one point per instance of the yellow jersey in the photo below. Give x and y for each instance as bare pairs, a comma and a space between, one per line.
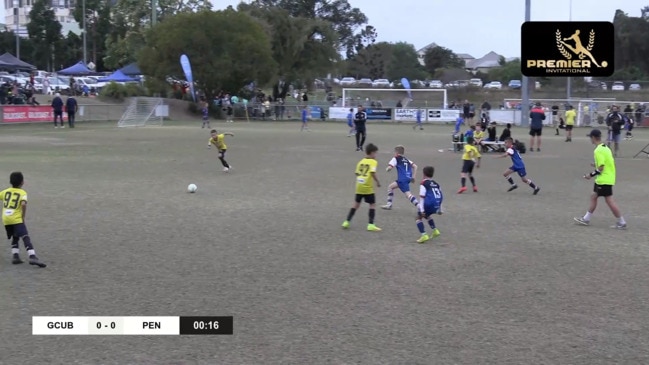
570, 117
364, 179
219, 142
478, 135
467, 155
13, 200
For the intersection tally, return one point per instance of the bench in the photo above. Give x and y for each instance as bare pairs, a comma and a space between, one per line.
494, 145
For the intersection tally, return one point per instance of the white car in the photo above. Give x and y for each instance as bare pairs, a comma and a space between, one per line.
382, 83
618, 86
55, 83
436, 84
90, 82
634, 87
494, 85
475, 82
348, 81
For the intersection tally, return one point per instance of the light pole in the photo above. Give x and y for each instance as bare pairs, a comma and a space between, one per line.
154, 12
83, 25
525, 102
569, 80
17, 24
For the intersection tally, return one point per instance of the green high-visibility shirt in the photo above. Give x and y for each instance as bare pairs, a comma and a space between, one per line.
604, 157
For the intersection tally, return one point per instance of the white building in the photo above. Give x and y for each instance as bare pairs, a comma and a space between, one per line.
62, 10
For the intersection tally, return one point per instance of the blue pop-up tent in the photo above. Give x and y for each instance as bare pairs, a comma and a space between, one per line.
117, 76
131, 70
78, 69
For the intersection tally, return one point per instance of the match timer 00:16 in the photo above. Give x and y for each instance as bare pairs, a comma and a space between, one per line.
206, 325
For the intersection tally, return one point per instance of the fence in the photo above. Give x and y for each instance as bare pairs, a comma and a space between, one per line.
16, 114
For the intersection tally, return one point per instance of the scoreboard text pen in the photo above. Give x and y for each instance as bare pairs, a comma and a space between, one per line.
148, 326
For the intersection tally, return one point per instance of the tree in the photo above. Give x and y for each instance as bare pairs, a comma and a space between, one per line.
98, 25
345, 19
630, 48
405, 63
371, 61
70, 51
508, 71
130, 18
441, 57
8, 44
45, 33
303, 48
227, 49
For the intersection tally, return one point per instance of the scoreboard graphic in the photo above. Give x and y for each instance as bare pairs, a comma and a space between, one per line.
149, 326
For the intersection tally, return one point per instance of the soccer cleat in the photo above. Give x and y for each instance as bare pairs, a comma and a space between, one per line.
538, 150
225, 169
582, 221
475, 189
513, 187
436, 233
618, 225
345, 224
462, 189
387, 207
33, 260
16, 259
424, 237
536, 191
373, 228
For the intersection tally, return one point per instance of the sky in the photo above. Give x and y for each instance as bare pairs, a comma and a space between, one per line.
476, 27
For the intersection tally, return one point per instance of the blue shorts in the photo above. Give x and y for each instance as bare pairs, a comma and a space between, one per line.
350, 124
404, 186
520, 171
16, 230
430, 210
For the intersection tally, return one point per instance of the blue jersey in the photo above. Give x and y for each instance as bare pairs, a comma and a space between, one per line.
458, 125
205, 112
304, 115
431, 196
517, 160
350, 119
403, 166
418, 116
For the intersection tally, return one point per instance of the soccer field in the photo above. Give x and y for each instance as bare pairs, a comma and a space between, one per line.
511, 279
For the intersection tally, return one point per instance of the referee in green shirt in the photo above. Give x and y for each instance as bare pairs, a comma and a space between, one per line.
604, 175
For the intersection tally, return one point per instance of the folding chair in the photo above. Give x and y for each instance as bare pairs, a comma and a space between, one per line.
644, 150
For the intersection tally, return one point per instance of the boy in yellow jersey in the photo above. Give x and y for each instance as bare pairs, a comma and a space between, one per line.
14, 207
604, 175
571, 115
469, 157
218, 140
478, 136
365, 177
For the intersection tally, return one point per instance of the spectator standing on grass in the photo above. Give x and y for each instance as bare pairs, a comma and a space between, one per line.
359, 122
71, 108
46, 86
466, 107
486, 108
57, 108
555, 118
537, 116
571, 115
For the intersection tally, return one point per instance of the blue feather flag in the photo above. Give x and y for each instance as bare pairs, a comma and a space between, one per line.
187, 69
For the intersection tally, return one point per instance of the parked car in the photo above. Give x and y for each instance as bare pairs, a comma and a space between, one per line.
348, 81
475, 82
435, 84
453, 84
463, 83
57, 83
618, 86
364, 82
515, 84
634, 87
381, 83
494, 85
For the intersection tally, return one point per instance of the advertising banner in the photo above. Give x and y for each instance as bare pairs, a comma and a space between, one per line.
28, 114
339, 113
407, 115
379, 113
442, 115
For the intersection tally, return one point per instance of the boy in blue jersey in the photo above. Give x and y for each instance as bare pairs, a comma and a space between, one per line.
305, 119
518, 166
406, 171
205, 110
418, 116
430, 203
350, 123
458, 124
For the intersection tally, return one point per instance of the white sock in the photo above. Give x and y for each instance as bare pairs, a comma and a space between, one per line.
31, 252
621, 220
587, 216
15, 251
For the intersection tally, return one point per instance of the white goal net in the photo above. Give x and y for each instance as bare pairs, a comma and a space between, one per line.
395, 98
144, 111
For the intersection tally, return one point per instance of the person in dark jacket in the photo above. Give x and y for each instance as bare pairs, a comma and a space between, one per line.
71, 107
507, 133
537, 116
57, 107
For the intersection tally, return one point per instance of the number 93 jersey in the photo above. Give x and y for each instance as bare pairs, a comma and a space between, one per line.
364, 179
403, 166
12, 205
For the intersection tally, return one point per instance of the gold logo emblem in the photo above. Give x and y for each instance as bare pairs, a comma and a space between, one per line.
578, 49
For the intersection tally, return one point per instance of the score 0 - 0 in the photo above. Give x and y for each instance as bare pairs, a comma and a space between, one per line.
105, 325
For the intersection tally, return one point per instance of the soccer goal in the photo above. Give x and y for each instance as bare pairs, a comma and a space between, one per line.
144, 111
590, 112
395, 98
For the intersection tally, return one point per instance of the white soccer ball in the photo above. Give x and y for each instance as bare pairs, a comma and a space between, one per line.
191, 188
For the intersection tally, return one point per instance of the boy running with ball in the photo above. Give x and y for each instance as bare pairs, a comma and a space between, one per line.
406, 170
518, 166
430, 203
218, 140
365, 177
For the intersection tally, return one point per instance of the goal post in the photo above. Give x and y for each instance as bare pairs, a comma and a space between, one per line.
590, 111
143, 111
390, 98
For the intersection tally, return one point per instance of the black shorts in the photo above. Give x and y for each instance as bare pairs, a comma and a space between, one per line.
361, 130
467, 166
603, 190
466, 115
58, 113
222, 153
369, 198
536, 132
471, 115
229, 111
16, 230
569, 127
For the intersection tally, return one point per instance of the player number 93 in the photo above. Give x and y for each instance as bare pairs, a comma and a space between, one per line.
202, 325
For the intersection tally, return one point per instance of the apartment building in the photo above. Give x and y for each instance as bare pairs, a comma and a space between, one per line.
19, 9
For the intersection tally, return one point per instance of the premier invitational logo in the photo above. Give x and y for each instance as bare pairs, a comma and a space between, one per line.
567, 49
